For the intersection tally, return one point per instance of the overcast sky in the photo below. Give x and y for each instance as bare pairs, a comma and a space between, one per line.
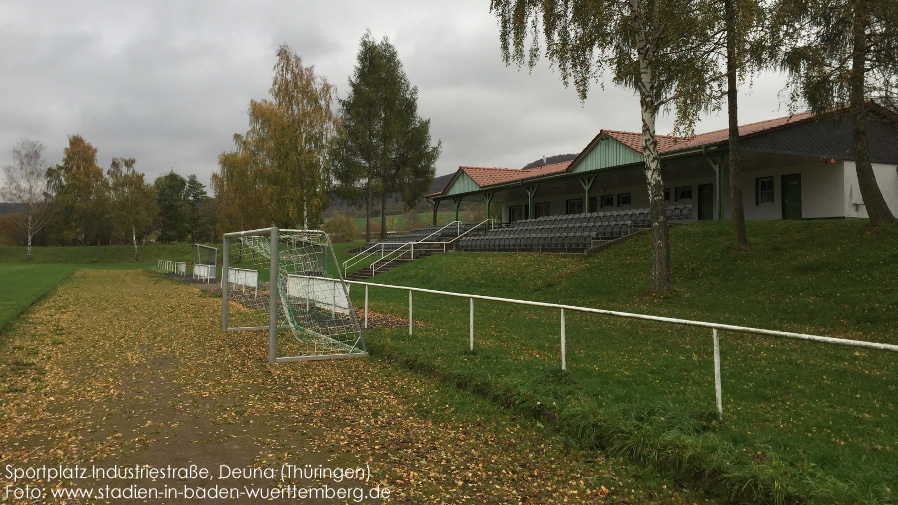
169, 82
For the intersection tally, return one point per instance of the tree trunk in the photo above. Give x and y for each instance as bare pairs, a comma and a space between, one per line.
737, 209
367, 215
305, 213
877, 208
383, 215
134, 240
97, 254
30, 234
654, 181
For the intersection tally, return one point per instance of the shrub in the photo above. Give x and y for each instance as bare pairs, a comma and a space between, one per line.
341, 228
412, 220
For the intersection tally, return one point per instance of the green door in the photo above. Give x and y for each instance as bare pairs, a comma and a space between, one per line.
791, 196
705, 202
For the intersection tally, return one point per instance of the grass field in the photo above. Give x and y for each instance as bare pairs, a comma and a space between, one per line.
108, 254
802, 421
23, 285
130, 368
397, 222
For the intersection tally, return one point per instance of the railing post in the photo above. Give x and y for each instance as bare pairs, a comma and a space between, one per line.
410, 312
717, 382
413, 250
472, 323
366, 306
563, 344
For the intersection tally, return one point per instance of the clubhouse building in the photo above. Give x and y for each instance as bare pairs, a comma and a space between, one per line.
795, 167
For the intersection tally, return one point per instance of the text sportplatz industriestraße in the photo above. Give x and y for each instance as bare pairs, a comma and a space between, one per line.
63, 482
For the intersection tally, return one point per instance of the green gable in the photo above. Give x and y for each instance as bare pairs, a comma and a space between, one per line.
606, 153
462, 184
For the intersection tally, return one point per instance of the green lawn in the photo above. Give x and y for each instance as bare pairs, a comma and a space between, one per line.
802, 420
24, 284
397, 221
108, 254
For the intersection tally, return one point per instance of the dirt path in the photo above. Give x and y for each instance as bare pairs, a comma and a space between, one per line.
124, 370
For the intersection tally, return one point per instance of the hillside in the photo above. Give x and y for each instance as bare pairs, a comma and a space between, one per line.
801, 420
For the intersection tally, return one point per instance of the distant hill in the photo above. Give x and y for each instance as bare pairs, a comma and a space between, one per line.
9, 208
551, 160
439, 183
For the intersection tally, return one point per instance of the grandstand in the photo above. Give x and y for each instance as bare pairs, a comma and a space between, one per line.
560, 233
569, 232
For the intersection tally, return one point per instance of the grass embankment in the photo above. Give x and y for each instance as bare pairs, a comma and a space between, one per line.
108, 254
396, 222
802, 421
25, 284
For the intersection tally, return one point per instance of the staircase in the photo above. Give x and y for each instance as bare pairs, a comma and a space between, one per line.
387, 264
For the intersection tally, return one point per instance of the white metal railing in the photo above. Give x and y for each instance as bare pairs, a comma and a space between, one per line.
172, 267
422, 245
245, 278
381, 246
714, 327
386, 257
205, 272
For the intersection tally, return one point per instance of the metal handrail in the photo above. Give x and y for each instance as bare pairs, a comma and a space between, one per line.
373, 249
714, 327
411, 246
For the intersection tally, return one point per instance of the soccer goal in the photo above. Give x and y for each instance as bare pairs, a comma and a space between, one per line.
289, 282
205, 262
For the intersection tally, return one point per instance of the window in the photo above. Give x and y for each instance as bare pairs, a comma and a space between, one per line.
683, 193
541, 209
515, 213
764, 191
593, 204
607, 201
666, 194
574, 206
623, 199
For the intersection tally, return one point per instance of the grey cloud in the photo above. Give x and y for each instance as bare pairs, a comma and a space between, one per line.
169, 82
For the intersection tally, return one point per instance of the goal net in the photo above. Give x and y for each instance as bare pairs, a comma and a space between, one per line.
289, 282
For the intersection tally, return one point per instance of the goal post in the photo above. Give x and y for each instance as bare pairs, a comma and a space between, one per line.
289, 283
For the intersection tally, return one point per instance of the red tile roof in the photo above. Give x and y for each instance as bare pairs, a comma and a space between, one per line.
485, 176
488, 176
668, 143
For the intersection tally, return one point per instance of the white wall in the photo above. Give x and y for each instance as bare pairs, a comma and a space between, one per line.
822, 193
828, 189
886, 177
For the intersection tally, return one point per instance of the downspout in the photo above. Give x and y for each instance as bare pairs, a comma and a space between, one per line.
716, 166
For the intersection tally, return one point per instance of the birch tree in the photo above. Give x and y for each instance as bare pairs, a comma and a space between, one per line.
838, 52
662, 49
292, 134
26, 186
132, 199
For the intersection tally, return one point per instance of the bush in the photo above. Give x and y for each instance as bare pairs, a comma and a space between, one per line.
412, 220
341, 229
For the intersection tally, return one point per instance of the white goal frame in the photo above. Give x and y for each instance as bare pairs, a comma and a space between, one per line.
273, 234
